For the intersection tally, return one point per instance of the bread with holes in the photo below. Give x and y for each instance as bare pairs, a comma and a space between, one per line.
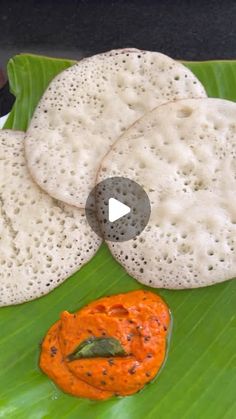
184, 155
42, 242
88, 106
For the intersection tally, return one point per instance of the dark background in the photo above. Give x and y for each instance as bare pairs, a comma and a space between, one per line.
183, 29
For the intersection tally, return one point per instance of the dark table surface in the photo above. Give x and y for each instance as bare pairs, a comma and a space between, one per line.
183, 29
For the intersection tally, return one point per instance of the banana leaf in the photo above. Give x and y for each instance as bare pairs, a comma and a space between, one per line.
199, 377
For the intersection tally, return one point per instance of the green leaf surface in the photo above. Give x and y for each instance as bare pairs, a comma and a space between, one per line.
199, 377
97, 347
29, 75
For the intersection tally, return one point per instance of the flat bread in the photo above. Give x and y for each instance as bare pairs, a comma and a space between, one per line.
42, 242
184, 155
88, 106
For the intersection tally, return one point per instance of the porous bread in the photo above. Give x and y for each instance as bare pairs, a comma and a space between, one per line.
41, 242
88, 106
184, 155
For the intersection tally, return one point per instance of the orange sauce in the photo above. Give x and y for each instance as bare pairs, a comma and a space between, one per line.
139, 320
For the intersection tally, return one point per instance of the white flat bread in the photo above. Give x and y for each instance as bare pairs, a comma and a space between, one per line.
41, 241
184, 155
88, 106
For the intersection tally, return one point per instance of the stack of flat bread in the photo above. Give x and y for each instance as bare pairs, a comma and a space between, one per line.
129, 113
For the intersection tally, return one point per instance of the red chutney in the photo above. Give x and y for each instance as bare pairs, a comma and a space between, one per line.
139, 320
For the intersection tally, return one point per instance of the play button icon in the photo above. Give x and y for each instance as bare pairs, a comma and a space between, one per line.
118, 209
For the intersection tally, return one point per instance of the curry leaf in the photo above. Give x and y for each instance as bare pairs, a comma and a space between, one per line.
97, 347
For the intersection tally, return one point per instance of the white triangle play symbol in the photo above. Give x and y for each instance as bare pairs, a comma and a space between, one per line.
116, 209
